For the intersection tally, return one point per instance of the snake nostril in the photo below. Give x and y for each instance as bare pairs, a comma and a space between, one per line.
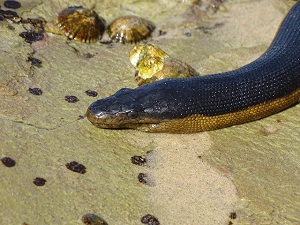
132, 114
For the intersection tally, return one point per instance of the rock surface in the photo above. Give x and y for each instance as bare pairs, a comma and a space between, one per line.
251, 169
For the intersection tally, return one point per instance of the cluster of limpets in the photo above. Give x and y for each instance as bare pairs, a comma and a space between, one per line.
86, 25
152, 63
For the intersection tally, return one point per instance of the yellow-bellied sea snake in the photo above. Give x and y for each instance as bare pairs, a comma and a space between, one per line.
264, 87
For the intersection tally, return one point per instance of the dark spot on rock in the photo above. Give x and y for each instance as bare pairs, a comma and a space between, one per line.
71, 98
80, 117
93, 219
150, 151
35, 91
187, 34
215, 5
161, 32
142, 178
232, 215
88, 55
206, 29
35, 62
35, 22
217, 25
145, 179
8, 162
39, 181
107, 42
12, 4
91, 93
138, 160
34, 25
31, 36
1, 18
230, 223
10, 27
11, 15
150, 220
76, 167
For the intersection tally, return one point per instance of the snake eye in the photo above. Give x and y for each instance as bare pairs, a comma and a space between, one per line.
132, 114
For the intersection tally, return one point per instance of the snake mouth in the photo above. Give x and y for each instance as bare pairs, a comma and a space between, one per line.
105, 119
119, 120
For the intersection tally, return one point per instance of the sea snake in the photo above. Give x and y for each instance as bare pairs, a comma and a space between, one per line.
264, 87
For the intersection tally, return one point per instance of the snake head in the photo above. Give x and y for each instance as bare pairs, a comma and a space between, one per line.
119, 111
132, 108
112, 112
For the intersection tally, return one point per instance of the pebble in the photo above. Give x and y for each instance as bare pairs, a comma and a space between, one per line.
71, 98
35, 91
39, 181
8, 162
76, 167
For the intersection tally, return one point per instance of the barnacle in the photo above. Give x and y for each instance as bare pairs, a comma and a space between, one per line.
81, 24
130, 29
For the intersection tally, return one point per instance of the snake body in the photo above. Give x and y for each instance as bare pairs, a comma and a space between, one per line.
264, 87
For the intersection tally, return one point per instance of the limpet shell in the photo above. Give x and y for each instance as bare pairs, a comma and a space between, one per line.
130, 29
152, 63
81, 24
